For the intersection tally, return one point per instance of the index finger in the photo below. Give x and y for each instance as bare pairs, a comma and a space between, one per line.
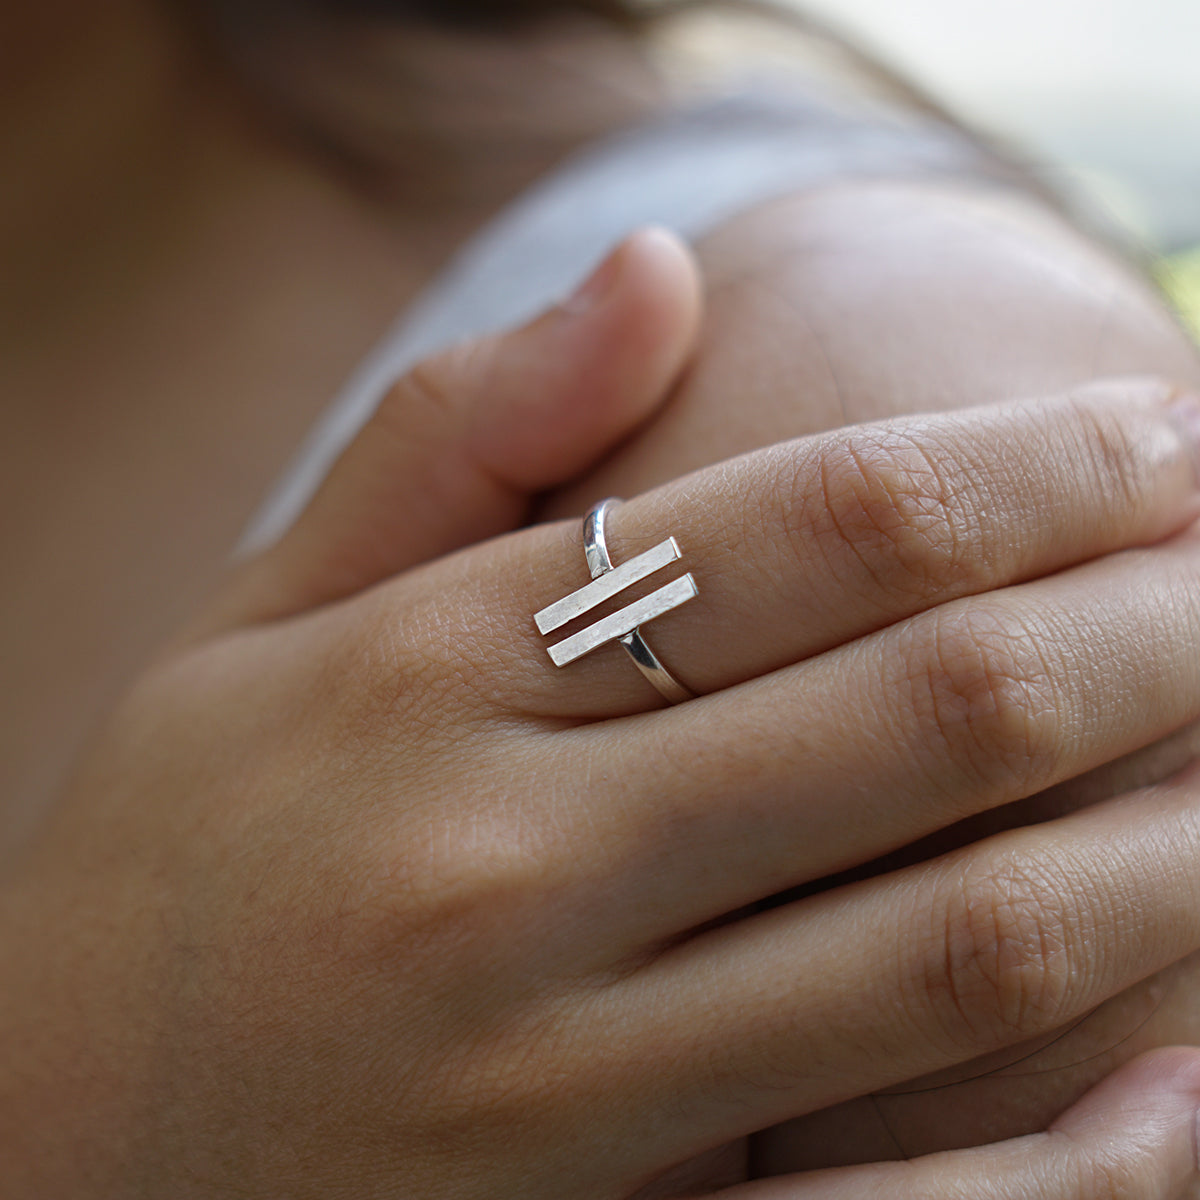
815, 543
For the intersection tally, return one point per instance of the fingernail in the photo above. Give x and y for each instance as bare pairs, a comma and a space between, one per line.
598, 286
1184, 414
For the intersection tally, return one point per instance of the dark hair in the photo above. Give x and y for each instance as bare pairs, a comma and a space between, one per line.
481, 12
248, 32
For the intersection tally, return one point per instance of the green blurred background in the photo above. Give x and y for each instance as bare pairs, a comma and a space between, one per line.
1180, 276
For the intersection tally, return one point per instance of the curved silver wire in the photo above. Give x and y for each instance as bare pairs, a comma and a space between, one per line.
599, 561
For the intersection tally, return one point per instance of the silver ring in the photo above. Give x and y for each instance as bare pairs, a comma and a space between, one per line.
623, 626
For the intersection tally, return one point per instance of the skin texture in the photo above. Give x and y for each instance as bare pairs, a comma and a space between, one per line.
919, 298
433, 906
862, 301
313, 920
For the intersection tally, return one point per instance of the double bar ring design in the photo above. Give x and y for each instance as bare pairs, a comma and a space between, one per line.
623, 626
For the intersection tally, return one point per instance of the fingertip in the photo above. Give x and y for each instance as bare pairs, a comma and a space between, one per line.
662, 249
665, 288
1176, 1068
652, 263
577, 381
1173, 1071
643, 303
646, 331
1159, 1090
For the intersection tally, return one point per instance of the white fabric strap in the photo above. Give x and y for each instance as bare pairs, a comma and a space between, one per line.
689, 171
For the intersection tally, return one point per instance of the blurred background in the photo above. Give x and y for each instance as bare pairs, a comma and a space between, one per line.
1106, 92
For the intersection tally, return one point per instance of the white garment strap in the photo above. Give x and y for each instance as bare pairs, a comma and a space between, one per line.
689, 171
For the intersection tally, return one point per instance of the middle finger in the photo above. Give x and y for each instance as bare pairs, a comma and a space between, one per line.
696, 812
811, 544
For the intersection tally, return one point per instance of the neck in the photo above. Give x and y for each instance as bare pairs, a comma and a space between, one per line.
436, 120
192, 260
120, 131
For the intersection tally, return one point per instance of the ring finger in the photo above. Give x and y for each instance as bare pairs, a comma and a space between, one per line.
832, 763
858, 989
809, 545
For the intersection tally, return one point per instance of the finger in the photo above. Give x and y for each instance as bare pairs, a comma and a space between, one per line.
1134, 1135
863, 987
808, 545
703, 809
459, 445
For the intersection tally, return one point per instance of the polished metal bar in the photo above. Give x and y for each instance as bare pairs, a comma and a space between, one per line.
624, 622
608, 585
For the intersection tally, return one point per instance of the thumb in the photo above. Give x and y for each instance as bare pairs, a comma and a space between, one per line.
1135, 1134
458, 447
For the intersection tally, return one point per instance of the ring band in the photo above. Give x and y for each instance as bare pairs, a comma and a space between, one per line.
599, 561
623, 626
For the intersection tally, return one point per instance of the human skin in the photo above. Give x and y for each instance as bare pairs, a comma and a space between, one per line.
860, 301
1054, 320
313, 917
152, 966
86, 985
764, 279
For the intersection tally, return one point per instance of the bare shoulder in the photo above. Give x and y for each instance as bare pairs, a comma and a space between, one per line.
934, 294
865, 299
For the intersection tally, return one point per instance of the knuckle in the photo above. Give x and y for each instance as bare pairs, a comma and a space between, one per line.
460, 921
393, 680
472, 909
418, 400
897, 506
408, 676
1004, 969
481, 879
985, 692
525, 1077
433, 395
434, 387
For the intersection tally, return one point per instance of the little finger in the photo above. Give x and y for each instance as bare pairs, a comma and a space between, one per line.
863, 987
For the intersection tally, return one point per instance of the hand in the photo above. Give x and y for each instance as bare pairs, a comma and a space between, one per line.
459, 447
370, 900
860, 301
